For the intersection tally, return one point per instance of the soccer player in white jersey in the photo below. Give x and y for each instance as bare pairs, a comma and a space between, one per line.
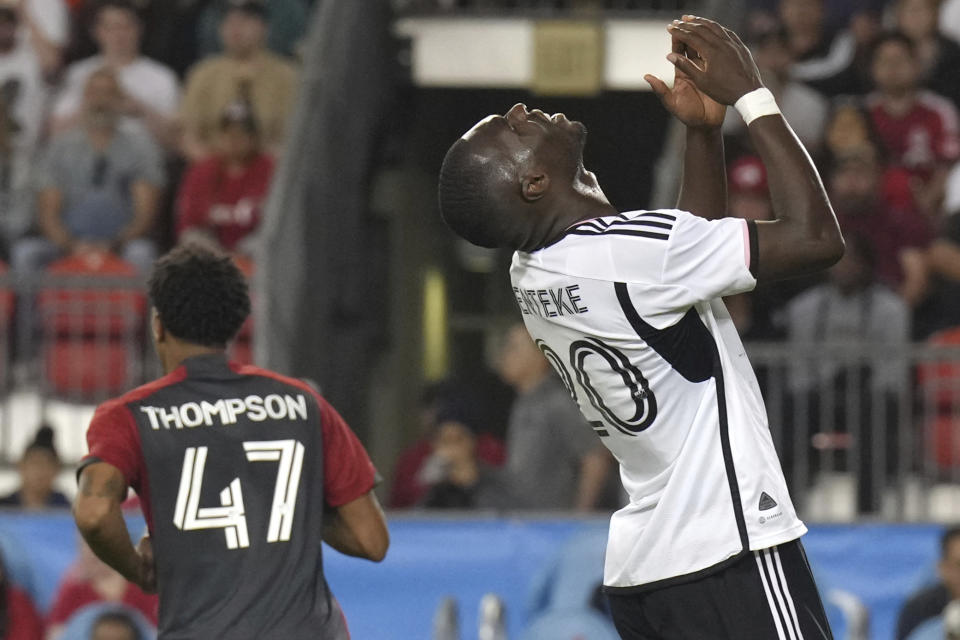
627, 308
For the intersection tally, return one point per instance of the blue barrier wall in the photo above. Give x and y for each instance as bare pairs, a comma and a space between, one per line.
433, 558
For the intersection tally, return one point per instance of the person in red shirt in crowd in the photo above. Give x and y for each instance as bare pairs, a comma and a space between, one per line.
898, 237
19, 619
90, 581
221, 197
408, 487
918, 129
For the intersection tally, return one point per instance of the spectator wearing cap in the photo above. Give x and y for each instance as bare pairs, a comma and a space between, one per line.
151, 91
804, 108
23, 103
454, 475
98, 187
749, 198
245, 71
897, 237
221, 197
937, 55
919, 130
38, 469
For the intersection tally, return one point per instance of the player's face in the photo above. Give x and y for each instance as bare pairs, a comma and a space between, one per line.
38, 470
523, 135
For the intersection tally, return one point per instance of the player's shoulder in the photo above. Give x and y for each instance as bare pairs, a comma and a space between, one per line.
118, 407
653, 225
278, 378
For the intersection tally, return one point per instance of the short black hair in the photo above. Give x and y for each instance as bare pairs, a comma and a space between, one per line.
898, 37
948, 536
117, 617
469, 202
43, 442
200, 295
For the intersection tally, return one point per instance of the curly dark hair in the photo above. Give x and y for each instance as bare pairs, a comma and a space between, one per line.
201, 296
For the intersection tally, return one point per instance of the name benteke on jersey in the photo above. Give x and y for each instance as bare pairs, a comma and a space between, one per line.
225, 411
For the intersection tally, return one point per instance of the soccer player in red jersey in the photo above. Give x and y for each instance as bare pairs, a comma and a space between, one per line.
239, 470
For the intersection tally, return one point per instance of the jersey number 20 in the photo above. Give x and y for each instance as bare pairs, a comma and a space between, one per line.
624, 372
230, 515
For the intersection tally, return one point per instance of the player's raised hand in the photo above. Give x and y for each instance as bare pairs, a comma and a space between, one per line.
726, 70
691, 106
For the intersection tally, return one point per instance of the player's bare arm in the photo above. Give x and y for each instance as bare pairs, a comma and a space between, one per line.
358, 528
703, 188
100, 521
805, 236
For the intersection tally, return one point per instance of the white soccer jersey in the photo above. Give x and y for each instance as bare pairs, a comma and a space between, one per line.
627, 309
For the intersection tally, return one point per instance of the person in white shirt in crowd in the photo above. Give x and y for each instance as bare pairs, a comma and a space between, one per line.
44, 27
23, 101
152, 91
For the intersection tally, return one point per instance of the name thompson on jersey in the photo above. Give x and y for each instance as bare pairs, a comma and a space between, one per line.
226, 411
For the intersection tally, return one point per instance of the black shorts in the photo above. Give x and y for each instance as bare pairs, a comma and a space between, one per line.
765, 595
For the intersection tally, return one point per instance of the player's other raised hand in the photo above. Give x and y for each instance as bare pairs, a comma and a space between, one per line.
724, 69
685, 101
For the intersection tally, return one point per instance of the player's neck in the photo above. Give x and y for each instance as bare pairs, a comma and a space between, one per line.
175, 354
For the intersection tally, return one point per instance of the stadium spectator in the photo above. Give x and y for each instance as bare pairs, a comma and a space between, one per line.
90, 581
23, 99
221, 196
918, 129
821, 58
941, 308
937, 55
38, 469
554, 461
245, 71
114, 625
44, 28
851, 309
99, 187
407, 488
897, 236
455, 476
929, 602
19, 619
286, 26
805, 108
151, 91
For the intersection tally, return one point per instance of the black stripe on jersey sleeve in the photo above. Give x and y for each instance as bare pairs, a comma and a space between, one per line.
621, 232
657, 214
642, 223
754, 247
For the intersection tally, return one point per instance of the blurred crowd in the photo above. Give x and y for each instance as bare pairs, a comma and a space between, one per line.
118, 138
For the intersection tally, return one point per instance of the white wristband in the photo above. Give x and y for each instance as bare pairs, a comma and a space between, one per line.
757, 103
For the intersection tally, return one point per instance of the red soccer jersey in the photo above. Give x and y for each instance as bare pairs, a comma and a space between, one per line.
234, 466
926, 137
74, 594
228, 206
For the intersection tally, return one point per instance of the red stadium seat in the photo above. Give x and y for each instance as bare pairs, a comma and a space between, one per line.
92, 314
939, 382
